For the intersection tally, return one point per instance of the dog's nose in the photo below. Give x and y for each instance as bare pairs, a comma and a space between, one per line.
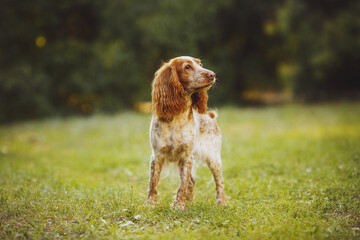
211, 76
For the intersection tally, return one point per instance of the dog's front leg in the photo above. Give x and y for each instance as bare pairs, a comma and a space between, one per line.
156, 164
185, 166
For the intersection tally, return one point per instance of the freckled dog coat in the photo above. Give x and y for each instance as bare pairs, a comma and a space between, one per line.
182, 130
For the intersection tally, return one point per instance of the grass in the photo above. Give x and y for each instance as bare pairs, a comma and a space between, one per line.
291, 172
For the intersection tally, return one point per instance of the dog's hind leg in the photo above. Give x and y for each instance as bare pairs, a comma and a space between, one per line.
190, 189
215, 167
185, 166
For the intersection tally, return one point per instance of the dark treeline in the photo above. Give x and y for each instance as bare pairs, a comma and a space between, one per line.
83, 56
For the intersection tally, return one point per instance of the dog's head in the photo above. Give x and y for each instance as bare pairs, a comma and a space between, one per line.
176, 81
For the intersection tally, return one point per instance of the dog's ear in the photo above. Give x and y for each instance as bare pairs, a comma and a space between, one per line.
199, 101
168, 95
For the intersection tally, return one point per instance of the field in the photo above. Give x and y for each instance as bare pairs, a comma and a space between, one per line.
291, 172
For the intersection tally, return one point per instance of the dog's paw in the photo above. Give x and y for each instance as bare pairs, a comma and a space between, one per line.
221, 201
179, 206
150, 202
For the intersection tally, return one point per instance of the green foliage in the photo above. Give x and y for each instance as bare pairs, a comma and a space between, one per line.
323, 45
86, 56
290, 173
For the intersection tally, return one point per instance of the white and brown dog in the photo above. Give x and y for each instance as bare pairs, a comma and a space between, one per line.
182, 130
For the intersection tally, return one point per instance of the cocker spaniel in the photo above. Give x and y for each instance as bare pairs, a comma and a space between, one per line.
182, 130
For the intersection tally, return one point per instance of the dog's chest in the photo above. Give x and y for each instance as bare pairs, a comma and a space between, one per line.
173, 141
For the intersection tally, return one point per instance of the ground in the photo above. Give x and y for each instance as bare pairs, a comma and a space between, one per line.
291, 172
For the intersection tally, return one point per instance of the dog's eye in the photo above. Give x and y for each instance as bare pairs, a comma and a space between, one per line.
188, 67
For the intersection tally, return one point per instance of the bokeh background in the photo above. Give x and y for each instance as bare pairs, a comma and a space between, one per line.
67, 57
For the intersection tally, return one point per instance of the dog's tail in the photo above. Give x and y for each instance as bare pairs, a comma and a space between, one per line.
213, 114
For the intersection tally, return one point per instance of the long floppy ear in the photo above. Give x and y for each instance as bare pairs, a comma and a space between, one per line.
168, 95
199, 101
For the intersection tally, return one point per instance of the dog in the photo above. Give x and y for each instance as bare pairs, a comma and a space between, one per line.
182, 130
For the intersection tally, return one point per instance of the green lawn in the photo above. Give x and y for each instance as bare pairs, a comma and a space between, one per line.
291, 172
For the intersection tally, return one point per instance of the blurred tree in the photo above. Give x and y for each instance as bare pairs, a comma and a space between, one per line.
83, 56
321, 44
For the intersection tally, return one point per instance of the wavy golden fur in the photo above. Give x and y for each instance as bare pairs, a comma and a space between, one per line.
170, 88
